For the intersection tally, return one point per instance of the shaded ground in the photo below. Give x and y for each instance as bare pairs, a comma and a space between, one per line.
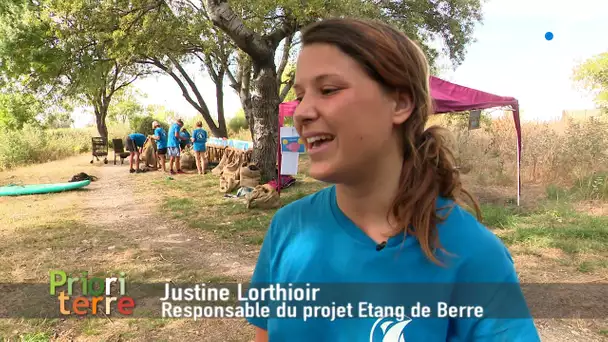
113, 224
155, 229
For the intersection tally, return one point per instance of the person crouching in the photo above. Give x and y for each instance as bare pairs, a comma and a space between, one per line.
134, 143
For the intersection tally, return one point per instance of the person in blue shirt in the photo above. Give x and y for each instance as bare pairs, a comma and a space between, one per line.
134, 143
173, 146
186, 135
199, 141
160, 135
391, 214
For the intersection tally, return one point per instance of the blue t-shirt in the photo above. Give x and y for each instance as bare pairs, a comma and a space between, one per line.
160, 132
172, 140
138, 138
200, 139
312, 241
185, 135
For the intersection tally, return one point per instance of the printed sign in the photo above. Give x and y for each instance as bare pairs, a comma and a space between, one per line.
292, 144
474, 119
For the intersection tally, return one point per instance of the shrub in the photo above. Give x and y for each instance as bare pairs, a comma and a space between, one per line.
561, 153
32, 144
238, 122
143, 125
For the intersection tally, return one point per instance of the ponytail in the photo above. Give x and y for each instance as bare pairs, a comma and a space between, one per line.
428, 172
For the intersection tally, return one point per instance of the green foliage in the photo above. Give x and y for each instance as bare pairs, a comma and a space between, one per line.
593, 76
592, 187
143, 125
18, 109
33, 144
124, 107
287, 73
57, 120
63, 47
161, 113
238, 122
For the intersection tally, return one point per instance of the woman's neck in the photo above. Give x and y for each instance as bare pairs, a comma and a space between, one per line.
368, 202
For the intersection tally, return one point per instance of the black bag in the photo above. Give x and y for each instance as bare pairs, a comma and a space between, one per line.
81, 177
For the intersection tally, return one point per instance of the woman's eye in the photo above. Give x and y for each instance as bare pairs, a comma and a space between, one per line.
328, 91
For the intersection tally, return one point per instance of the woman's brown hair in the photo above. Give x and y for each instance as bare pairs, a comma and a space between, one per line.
398, 64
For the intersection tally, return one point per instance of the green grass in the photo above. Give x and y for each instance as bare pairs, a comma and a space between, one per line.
590, 187
36, 337
199, 203
554, 225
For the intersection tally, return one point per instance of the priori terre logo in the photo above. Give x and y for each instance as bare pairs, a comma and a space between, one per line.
94, 294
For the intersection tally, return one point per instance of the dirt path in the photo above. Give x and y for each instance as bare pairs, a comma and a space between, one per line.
116, 224
113, 204
113, 225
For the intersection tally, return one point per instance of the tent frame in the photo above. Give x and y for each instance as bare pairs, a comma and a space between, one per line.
447, 98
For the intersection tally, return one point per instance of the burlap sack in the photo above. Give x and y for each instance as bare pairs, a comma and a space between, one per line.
263, 197
228, 184
250, 175
187, 160
225, 159
215, 153
149, 153
232, 166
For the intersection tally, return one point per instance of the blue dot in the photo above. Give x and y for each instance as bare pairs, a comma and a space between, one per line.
548, 36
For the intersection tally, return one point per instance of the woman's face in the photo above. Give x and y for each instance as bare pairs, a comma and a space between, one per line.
345, 117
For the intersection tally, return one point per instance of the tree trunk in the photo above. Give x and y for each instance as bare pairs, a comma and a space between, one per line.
264, 115
100, 120
219, 95
246, 104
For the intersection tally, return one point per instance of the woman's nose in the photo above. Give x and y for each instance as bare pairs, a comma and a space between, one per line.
305, 112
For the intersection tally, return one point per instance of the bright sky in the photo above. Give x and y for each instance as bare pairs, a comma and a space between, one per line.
511, 57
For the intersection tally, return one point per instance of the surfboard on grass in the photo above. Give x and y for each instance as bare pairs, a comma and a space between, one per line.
34, 189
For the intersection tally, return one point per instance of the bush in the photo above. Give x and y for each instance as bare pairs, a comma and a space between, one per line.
32, 144
143, 125
592, 187
238, 122
561, 153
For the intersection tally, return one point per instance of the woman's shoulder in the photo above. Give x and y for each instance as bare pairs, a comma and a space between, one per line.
307, 206
306, 212
477, 251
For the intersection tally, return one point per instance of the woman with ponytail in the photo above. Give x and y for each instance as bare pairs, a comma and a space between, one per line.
393, 213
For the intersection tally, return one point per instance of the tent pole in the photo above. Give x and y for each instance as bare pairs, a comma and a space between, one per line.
279, 155
518, 134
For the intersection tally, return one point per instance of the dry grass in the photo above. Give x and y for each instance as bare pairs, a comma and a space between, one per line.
155, 228
559, 153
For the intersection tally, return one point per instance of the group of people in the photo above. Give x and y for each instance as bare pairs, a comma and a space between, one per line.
170, 144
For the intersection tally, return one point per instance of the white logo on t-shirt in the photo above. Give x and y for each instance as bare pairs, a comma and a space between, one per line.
390, 329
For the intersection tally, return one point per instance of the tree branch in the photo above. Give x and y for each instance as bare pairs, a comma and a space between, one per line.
125, 84
192, 85
115, 77
287, 86
177, 80
284, 59
143, 12
210, 68
233, 83
253, 44
287, 28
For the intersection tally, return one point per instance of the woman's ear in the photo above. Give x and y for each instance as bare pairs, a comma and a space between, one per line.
404, 106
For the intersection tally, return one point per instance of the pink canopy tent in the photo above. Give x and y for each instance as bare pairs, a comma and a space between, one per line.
448, 97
